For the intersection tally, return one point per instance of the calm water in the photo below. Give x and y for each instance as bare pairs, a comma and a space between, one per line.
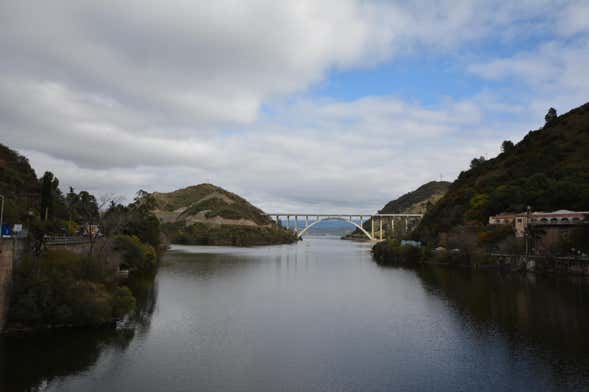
319, 316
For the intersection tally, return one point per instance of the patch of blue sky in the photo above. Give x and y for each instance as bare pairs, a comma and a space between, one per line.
429, 77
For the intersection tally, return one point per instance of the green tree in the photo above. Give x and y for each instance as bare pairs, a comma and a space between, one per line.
477, 162
49, 190
478, 208
551, 115
507, 146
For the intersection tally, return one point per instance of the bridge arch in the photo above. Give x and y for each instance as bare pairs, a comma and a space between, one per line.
367, 234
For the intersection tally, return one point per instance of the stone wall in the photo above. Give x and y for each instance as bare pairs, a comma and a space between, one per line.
11, 251
102, 249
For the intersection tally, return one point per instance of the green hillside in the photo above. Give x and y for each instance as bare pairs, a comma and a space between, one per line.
548, 170
209, 215
18, 184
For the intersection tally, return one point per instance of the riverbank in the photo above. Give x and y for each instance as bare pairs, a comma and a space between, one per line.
393, 253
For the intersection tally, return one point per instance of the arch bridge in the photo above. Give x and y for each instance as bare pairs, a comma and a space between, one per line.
378, 222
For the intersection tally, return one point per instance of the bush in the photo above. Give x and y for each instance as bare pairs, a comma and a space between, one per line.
136, 254
123, 302
391, 251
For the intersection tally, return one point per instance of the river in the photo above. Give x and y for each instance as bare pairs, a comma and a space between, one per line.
319, 315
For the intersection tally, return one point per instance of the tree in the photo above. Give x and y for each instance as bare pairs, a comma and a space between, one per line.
52, 201
478, 207
476, 162
87, 208
507, 146
550, 116
135, 219
71, 201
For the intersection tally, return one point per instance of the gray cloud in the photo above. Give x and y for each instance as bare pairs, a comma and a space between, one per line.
115, 96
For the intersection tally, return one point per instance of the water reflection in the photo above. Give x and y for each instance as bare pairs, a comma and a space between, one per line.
543, 317
529, 308
314, 316
33, 361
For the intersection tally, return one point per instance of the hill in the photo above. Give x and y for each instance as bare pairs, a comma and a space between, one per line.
209, 215
18, 184
548, 170
415, 202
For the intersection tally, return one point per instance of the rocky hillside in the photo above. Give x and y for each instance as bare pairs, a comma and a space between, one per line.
548, 170
209, 215
417, 202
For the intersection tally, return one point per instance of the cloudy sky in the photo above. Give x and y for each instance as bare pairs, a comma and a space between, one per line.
315, 105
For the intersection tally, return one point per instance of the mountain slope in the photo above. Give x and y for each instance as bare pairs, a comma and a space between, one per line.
548, 170
18, 184
416, 202
209, 215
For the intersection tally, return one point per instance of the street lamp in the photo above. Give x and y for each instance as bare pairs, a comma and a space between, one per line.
1, 215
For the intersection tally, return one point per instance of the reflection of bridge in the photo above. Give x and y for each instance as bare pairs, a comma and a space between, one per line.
378, 222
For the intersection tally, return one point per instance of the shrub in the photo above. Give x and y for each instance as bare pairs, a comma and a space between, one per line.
123, 302
136, 254
391, 251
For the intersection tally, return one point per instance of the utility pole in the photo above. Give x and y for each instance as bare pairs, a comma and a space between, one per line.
527, 230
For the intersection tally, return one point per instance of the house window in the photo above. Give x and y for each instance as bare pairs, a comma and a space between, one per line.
553, 220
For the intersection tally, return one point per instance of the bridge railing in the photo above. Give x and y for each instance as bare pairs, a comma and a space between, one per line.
65, 240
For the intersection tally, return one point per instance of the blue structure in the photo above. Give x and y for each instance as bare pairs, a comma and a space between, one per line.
6, 230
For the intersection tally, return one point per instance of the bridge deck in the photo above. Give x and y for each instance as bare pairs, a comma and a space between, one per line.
345, 215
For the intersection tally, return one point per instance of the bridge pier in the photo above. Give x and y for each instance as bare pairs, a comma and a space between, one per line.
380, 229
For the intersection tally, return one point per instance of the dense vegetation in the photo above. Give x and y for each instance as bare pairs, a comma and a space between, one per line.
208, 215
54, 288
231, 235
548, 170
62, 288
136, 220
18, 184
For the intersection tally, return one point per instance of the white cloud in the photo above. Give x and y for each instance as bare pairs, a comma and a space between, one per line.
115, 96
